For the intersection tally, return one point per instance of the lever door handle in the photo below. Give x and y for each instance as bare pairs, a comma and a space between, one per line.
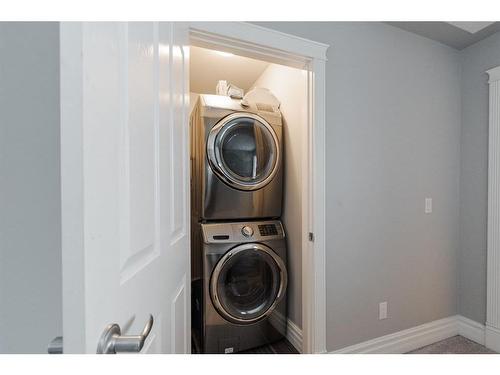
112, 341
56, 346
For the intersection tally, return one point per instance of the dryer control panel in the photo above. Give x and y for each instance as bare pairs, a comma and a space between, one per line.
238, 232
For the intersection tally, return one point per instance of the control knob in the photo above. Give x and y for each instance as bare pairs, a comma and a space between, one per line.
247, 231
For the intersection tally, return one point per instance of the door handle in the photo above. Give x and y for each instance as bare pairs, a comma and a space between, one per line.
112, 341
55, 346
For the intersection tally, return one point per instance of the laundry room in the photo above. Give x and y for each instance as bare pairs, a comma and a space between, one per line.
248, 139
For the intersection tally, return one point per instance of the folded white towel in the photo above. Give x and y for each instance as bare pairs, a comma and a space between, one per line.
235, 92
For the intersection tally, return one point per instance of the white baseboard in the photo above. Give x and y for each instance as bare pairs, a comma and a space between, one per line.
294, 335
471, 329
422, 335
492, 338
293, 332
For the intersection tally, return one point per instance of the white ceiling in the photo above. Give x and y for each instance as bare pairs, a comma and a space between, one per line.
458, 35
208, 66
471, 27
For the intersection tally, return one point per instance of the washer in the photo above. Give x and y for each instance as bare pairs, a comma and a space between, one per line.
240, 302
236, 156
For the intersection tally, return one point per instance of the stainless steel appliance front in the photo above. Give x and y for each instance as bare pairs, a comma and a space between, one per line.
236, 160
240, 301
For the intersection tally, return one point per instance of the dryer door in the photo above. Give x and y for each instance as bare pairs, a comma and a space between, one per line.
243, 150
247, 283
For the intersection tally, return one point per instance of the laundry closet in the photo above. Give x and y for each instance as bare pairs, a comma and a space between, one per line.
248, 128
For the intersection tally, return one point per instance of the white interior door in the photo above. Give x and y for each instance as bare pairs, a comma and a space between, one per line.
125, 192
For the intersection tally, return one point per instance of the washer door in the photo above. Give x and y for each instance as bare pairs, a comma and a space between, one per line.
243, 151
247, 283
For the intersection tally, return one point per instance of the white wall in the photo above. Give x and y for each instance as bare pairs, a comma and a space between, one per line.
193, 97
289, 85
393, 138
30, 244
207, 67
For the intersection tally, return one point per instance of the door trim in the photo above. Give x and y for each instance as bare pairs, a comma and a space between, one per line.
262, 43
493, 242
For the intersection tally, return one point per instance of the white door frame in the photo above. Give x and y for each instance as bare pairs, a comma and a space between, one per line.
274, 46
492, 331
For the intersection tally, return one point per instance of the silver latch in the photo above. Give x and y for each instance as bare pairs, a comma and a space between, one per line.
56, 346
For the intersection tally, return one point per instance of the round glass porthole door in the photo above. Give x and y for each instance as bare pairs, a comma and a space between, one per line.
247, 283
243, 150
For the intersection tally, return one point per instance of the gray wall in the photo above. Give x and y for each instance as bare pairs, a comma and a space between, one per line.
393, 138
30, 248
475, 60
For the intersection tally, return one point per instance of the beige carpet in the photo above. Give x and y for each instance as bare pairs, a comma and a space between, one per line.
454, 345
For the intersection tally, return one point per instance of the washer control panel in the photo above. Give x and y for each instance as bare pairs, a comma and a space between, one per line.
268, 230
242, 231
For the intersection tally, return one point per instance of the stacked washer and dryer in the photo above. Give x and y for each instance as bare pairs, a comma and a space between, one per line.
238, 249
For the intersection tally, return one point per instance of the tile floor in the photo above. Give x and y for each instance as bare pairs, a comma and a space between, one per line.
280, 347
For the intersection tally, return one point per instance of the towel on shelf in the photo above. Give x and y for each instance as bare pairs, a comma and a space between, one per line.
228, 89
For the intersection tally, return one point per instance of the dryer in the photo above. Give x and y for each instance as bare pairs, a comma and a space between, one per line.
240, 301
236, 160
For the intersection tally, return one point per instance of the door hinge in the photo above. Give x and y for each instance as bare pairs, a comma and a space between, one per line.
311, 236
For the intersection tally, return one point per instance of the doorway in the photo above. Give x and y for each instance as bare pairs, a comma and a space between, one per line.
266, 45
136, 205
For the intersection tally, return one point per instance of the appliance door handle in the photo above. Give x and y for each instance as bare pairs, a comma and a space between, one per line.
112, 341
